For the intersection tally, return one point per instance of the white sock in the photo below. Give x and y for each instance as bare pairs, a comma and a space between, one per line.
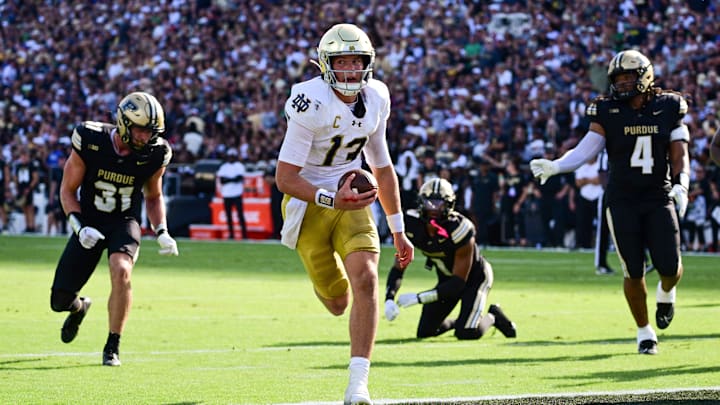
665, 297
646, 333
359, 370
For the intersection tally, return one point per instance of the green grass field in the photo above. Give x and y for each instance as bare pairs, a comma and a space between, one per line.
238, 323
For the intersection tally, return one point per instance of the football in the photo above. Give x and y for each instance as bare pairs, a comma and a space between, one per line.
363, 182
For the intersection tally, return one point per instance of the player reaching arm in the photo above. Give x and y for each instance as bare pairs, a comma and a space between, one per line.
642, 128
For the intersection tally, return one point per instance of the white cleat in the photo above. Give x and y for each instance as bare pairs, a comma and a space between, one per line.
358, 396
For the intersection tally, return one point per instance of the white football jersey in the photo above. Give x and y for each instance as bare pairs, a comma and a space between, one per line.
338, 136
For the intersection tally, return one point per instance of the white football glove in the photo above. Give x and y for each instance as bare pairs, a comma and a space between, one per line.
89, 237
408, 299
391, 310
680, 195
544, 169
168, 246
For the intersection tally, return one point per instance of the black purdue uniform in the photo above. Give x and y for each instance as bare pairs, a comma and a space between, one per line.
439, 251
640, 214
110, 199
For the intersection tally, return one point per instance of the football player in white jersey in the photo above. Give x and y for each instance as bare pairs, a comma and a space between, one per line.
333, 121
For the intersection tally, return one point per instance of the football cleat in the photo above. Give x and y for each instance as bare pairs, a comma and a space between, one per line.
664, 314
502, 323
604, 271
111, 358
72, 322
648, 346
357, 395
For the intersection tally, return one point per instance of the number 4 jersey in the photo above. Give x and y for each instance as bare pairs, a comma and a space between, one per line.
112, 185
638, 143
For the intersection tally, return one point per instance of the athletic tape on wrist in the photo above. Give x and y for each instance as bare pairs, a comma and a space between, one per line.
396, 223
160, 229
74, 221
325, 198
683, 179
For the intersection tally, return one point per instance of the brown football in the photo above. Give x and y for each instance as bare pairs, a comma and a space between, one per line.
363, 182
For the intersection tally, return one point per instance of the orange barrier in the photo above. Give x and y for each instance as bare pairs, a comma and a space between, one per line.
256, 207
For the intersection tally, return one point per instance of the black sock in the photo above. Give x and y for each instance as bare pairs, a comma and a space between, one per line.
113, 343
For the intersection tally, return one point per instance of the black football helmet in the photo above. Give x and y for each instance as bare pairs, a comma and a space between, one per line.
436, 199
143, 110
631, 61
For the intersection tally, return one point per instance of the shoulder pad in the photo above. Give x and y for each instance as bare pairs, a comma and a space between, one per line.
305, 100
87, 131
162, 146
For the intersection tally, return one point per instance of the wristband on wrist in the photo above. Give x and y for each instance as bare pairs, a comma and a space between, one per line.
428, 296
682, 179
160, 229
396, 223
74, 221
325, 198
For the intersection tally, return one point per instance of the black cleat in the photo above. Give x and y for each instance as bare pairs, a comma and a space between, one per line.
72, 322
648, 346
502, 323
111, 358
664, 314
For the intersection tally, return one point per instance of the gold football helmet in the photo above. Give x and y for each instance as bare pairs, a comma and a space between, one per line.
631, 61
345, 39
143, 110
436, 199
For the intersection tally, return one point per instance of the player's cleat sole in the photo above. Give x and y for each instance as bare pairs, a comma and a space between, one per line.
72, 322
111, 359
604, 271
648, 346
664, 314
502, 323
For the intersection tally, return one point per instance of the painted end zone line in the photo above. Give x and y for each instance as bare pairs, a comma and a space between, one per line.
574, 395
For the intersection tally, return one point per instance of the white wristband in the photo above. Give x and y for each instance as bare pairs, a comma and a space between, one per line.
160, 228
396, 223
325, 198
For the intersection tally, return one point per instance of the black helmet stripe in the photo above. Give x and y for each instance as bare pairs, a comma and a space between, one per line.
152, 114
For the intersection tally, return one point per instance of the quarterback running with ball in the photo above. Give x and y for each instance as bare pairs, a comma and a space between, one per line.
332, 122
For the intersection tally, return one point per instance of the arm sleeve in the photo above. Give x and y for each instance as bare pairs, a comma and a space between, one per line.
394, 281
591, 144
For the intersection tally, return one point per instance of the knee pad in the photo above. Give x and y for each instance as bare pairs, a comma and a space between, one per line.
61, 301
337, 288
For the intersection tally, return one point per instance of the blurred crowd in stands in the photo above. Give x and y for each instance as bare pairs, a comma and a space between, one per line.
478, 87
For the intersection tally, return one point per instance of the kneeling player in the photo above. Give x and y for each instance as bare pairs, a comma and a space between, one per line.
447, 239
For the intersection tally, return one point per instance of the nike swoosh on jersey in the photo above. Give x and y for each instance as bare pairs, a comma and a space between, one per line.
657, 112
141, 163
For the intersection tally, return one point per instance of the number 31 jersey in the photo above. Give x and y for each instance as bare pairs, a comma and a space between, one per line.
112, 185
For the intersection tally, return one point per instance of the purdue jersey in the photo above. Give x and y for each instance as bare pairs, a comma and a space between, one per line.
638, 143
112, 185
340, 135
440, 249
